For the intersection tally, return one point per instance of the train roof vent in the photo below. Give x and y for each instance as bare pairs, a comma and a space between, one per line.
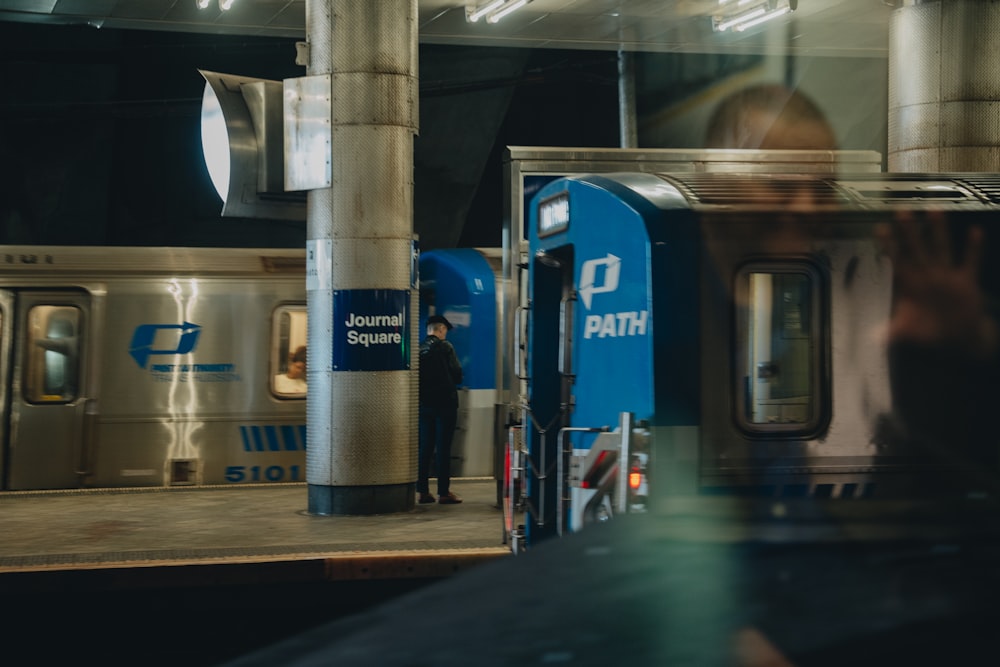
909, 189
987, 185
756, 189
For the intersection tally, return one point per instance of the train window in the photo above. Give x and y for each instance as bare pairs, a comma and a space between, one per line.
288, 352
779, 349
53, 364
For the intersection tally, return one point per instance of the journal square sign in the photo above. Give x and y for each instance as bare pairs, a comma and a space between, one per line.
371, 330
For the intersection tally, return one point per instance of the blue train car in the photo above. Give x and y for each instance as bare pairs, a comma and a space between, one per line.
460, 283
720, 334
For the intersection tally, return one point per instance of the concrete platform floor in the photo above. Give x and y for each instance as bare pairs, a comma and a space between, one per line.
199, 576
80, 530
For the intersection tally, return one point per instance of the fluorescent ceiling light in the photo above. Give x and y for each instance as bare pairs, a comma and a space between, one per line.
473, 12
494, 10
506, 8
726, 24
773, 14
224, 5
746, 14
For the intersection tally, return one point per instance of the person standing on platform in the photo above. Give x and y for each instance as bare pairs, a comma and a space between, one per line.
440, 375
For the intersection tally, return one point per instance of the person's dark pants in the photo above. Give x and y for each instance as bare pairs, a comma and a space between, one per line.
437, 430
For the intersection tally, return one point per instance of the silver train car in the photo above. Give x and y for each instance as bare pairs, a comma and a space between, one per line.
729, 335
150, 366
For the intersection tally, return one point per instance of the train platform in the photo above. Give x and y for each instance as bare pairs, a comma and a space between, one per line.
121, 538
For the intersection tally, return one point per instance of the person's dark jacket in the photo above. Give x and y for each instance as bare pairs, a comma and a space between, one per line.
440, 373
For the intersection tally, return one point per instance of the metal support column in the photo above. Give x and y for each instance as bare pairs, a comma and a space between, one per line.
627, 131
944, 90
362, 301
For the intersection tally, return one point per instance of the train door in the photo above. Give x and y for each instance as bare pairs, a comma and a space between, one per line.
550, 378
6, 319
44, 373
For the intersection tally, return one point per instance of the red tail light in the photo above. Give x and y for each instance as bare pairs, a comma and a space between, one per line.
506, 466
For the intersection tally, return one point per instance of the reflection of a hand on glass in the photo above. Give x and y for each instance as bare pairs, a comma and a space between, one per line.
938, 299
942, 342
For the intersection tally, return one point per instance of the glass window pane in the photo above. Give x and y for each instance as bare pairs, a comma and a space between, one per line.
52, 370
780, 359
288, 352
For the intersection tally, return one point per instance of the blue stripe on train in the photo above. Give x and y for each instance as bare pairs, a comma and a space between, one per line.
271, 438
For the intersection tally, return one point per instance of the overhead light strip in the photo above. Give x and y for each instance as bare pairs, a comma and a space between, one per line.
474, 13
773, 14
493, 11
507, 8
758, 12
737, 20
224, 5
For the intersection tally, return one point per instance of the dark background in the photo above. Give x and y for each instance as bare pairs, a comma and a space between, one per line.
100, 131
100, 141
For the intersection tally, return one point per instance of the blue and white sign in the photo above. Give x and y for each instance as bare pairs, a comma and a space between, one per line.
165, 344
371, 330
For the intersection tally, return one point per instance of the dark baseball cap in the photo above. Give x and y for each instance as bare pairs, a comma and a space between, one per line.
439, 319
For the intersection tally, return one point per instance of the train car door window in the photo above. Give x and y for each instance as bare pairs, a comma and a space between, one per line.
779, 349
53, 360
288, 352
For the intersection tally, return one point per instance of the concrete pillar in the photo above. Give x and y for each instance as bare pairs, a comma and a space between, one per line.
944, 88
362, 405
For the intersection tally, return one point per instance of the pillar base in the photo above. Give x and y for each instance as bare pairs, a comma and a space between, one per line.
361, 500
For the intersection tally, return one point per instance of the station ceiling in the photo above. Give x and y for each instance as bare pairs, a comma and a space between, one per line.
556, 55
816, 27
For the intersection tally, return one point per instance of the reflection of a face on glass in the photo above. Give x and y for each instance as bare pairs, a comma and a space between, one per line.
772, 117
769, 117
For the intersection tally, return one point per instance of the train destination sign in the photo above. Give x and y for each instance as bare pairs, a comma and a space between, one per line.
371, 330
553, 214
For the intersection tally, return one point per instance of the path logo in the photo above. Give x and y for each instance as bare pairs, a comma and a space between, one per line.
141, 348
604, 272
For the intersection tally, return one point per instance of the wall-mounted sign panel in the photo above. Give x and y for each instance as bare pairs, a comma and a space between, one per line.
371, 330
308, 133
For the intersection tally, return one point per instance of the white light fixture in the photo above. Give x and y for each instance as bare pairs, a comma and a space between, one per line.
773, 14
740, 19
744, 14
494, 10
475, 12
224, 5
506, 8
